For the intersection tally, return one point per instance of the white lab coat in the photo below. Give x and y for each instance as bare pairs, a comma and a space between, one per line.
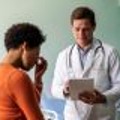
103, 65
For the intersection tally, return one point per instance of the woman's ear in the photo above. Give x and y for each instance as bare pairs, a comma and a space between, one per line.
24, 46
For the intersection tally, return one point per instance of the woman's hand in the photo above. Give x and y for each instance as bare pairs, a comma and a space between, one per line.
41, 67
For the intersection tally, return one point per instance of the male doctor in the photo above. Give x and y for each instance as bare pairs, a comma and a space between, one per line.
88, 58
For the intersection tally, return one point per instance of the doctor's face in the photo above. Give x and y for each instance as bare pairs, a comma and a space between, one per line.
82, 31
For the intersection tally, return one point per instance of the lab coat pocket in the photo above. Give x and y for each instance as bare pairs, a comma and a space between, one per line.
103, 112
101, 81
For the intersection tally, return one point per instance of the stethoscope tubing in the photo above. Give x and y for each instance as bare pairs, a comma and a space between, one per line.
96, 50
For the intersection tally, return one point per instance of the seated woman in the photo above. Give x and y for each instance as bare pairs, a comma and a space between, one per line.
19, 96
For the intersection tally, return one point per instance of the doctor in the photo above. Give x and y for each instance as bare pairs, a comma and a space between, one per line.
88, 58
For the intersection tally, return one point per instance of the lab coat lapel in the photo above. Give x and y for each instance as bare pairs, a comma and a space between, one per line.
88, 63
77, 68
90, 59
76, 64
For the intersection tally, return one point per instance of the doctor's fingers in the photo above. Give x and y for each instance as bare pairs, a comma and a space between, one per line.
66, 92
87, 97
87, 94
86, 100
66, 89
92, 97
66, 85
99, 98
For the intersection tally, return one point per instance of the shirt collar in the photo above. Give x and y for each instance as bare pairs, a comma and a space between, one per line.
85, 49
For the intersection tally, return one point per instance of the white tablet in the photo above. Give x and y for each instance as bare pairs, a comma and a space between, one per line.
77, 86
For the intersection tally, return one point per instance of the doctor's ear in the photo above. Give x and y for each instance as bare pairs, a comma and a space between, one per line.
94, 27
72, 29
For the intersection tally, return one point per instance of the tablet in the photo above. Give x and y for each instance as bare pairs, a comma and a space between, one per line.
77, 86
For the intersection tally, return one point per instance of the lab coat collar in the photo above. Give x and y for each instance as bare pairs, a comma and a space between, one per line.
79, 72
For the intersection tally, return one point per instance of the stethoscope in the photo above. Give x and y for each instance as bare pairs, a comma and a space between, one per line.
100, 46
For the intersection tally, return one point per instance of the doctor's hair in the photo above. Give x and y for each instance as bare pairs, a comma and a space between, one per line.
83, 13
19, 33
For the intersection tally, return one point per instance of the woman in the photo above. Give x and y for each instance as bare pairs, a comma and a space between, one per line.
19, 97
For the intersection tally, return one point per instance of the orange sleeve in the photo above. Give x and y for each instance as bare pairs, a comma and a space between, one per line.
22, 90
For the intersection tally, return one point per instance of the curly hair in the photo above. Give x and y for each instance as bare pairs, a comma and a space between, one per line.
23, 32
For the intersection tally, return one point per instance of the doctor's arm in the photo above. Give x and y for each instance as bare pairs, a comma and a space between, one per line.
59, 78
113, 94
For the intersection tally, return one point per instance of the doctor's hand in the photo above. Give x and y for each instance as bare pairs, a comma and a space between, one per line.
92, 97
66, 91
40, 68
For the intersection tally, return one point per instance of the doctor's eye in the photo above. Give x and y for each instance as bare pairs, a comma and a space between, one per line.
77, 29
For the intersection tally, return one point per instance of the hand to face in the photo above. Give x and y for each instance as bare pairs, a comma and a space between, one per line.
41, 67
92, 97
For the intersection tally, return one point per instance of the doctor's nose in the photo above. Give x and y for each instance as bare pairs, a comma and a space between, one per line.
81, 32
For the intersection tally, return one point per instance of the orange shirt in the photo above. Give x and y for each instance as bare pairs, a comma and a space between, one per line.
17, 95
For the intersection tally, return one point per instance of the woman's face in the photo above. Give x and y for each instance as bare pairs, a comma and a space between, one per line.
30, 57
